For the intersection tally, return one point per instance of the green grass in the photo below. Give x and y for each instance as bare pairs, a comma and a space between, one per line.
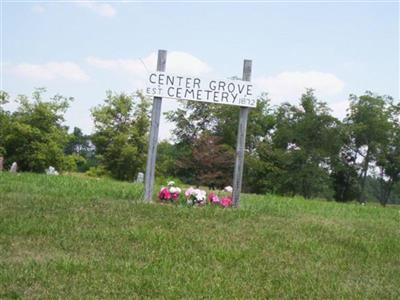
81, 238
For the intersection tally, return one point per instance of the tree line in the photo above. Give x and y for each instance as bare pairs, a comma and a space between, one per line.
291, 149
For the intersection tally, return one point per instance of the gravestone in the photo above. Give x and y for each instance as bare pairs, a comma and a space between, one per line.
51, 171
140, 177
14, 167
1, 163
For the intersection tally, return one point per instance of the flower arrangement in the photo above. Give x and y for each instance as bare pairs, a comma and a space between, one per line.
213, 198
226, 200
195, 196
170, 193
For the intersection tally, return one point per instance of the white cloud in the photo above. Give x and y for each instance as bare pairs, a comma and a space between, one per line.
102, 9
177, 62
39, 9
288, 86
50, 71
339, 108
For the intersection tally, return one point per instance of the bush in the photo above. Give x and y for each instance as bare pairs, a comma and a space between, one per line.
98, 171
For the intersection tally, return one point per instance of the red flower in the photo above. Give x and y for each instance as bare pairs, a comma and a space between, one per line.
164, 194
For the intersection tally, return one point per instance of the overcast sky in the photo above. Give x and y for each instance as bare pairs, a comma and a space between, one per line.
82, 49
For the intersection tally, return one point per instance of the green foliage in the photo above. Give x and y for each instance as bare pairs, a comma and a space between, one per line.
121, 130
73, 162
369, 125
195, 119
196, 123
295, 157
33, 135
369, 120
290, 149
79, 145
4, 99
98, 172
4, 120
82, 238
295, 149
388, 155
166, 159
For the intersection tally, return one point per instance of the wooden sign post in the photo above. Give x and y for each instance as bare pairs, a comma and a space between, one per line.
241, 140
153, 138
232, 92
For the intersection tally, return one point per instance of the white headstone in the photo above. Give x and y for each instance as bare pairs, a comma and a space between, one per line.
140, 177
14, 167
51, 171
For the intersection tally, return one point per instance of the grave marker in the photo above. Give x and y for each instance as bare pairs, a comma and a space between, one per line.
14, 167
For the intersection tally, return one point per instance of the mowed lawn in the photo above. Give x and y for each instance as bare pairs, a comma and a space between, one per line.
68, 237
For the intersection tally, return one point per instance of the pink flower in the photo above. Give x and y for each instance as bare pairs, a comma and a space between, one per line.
175, 195
213, 198
226, 201
164, 194
189, 192
210, 195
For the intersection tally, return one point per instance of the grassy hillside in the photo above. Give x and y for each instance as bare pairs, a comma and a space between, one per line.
77, 238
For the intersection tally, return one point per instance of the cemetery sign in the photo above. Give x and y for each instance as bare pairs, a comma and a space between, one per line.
233, 92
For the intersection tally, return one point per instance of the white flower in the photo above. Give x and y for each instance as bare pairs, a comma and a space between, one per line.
171, 183
174, 189
228, 189
189, 192
199, 194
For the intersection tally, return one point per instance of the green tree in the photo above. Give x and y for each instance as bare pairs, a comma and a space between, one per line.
78, 143
121, 130
80, 149
388, 157
297, 155
368, 120
4, 120
35, 136
344, 175
166, 159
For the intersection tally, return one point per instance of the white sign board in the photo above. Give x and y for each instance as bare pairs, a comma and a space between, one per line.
232, 92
